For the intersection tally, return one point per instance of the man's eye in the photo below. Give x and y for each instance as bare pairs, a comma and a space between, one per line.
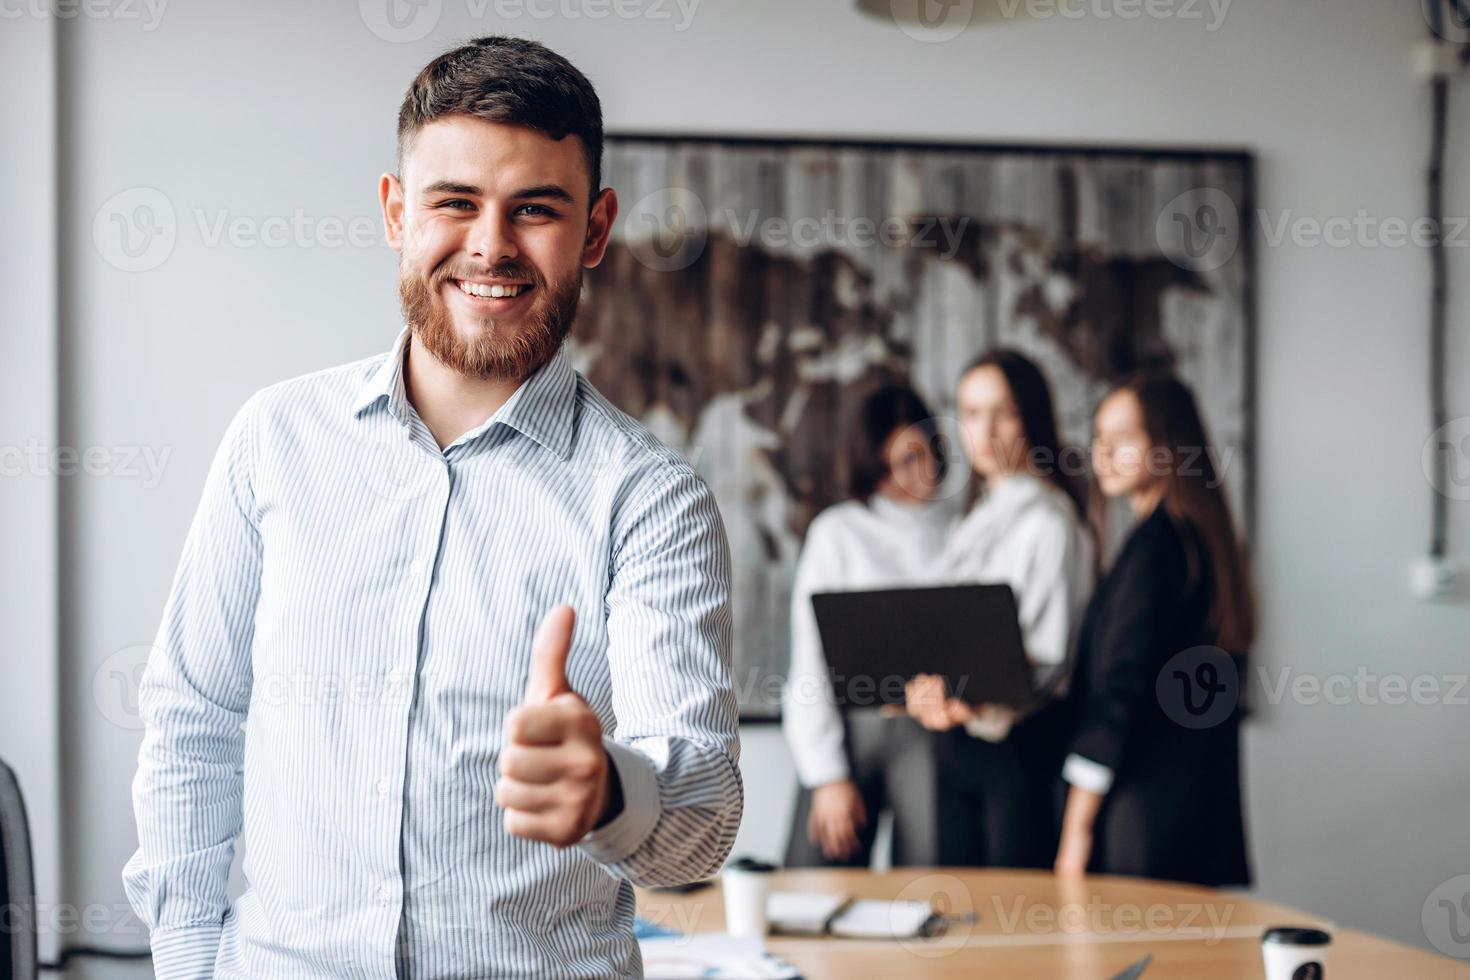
456, 204
536, 211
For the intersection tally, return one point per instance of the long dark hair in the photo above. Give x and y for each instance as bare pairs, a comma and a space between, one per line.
1032, 395
890, 409
1194, 498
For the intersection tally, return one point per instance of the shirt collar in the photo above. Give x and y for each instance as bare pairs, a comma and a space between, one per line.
386, 382
542, 408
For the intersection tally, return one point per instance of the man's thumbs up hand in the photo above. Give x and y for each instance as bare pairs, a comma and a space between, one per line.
556, 781
549, 650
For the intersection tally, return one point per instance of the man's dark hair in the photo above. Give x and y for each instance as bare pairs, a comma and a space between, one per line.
506, 80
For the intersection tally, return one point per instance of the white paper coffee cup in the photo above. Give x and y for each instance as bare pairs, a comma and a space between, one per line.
745, 884
1293, 953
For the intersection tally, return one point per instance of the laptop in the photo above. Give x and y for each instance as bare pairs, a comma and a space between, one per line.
970, 635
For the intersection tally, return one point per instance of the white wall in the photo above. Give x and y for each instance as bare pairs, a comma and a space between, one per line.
260, 109
30, 733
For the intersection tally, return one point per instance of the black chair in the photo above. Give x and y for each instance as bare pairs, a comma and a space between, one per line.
17, 884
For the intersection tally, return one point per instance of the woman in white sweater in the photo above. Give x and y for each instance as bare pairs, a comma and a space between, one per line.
890, 535
1028, 529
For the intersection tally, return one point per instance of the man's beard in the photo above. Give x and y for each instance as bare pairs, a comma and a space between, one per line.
497, 350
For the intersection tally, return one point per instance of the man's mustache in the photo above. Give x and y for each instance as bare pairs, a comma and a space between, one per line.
525, 273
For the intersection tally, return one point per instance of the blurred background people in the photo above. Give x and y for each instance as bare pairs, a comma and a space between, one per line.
889, 535
1027, 528
1154, 763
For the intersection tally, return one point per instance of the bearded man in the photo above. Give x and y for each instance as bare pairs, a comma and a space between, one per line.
449, 642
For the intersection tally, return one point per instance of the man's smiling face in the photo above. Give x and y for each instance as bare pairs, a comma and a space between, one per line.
492, 226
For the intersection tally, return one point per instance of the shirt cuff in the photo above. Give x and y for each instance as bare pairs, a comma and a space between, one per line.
991, 724
814, 772
1086, 774
620, 837
185, 953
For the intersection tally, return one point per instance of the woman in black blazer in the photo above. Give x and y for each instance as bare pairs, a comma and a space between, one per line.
1154, 763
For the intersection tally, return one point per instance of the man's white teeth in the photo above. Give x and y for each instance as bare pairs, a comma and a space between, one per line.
495, 291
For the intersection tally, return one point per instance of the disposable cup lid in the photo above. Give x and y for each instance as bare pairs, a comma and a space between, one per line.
750, 865
1296, 936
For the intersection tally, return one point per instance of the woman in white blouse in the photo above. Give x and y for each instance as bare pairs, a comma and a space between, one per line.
1027, 528
890, 535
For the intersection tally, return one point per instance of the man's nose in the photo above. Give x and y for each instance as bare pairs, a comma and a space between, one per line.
492, 239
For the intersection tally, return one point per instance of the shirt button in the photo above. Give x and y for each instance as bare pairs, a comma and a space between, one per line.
416, 566
383, 787
385, 893
394, 677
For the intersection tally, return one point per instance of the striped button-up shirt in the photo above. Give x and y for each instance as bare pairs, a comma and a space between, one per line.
351, 621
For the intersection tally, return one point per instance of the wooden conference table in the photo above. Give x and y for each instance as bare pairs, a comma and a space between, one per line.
1032, 925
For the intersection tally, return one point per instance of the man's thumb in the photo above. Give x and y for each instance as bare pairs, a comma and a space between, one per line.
549, 650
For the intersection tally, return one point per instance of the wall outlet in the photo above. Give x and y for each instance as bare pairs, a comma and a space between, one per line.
1434, 578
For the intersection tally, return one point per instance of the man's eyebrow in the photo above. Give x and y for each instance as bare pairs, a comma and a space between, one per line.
452, 187
554, 191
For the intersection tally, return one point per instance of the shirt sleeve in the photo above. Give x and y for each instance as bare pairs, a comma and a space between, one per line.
1051, 593
1128, 632
1084, 773
193, 700
676, 746
809, 716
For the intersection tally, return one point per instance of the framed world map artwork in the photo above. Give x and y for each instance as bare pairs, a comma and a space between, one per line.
755, 291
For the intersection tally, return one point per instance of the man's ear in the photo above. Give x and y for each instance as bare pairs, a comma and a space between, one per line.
390, 196
599, 227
